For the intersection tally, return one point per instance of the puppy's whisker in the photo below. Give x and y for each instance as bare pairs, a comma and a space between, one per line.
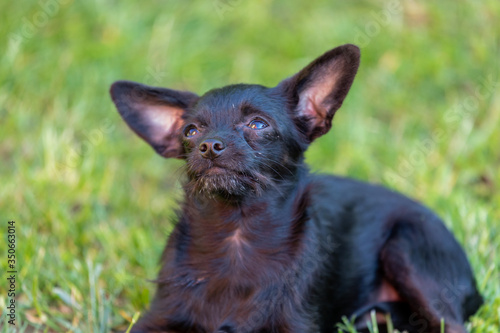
278, 163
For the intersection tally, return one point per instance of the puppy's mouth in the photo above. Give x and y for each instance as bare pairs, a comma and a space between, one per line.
215, 170
217, 180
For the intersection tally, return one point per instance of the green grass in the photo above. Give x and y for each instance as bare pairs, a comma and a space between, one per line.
93, 204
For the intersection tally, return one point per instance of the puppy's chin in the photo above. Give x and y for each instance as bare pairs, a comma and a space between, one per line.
223, 183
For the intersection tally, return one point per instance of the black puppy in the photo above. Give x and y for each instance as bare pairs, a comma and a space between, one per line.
261, 245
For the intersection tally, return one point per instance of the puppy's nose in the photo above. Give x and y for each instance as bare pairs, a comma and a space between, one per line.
211, 148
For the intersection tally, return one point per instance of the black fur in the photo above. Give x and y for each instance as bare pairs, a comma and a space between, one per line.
261, 245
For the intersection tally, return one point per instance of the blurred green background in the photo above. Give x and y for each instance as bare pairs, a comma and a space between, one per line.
93, 204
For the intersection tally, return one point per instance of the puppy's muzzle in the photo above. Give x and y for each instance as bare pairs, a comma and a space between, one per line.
211, 148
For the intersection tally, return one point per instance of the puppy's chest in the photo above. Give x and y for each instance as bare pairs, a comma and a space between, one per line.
245, 300
236, 279
238, 256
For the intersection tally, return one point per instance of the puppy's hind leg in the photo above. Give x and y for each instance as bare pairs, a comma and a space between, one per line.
429, 270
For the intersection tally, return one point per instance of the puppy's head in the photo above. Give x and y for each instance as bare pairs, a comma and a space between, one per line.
240, 140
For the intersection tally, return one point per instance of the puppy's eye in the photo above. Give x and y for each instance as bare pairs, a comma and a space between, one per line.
257, 124
191, 131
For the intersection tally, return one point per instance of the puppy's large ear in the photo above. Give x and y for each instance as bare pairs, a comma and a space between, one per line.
317, 91
155, 114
